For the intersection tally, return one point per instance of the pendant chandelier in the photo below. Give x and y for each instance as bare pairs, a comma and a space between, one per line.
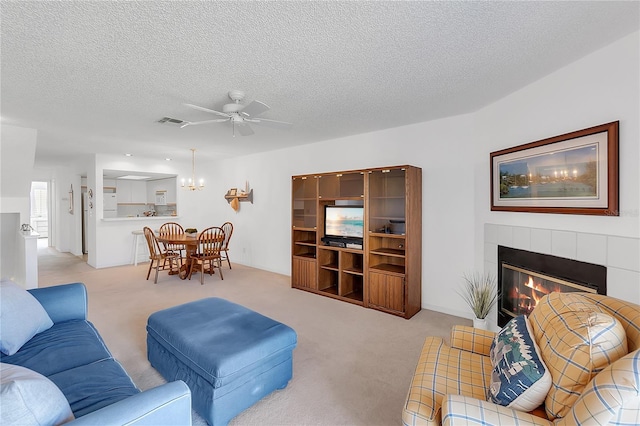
191, 186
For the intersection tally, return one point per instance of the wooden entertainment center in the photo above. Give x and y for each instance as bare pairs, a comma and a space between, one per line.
384, 270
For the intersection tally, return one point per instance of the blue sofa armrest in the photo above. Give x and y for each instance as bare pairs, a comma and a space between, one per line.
63, 302
169, 404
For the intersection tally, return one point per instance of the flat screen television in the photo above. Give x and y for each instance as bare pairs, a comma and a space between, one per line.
344, 221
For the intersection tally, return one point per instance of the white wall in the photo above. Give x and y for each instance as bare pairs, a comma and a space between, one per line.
68, 226
599, 88
454, 156
262, 235
17, 153
9, 255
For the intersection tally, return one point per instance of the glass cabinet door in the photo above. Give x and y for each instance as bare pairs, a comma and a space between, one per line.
387, 201
305, 201
342, 185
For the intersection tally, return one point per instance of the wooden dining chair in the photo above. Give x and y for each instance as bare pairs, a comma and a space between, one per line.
173, 228
227, 227
158, 256
209, 247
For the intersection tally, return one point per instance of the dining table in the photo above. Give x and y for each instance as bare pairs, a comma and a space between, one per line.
190, 242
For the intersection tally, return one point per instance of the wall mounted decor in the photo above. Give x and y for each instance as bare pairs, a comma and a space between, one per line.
234, 196
71, 200
574, 173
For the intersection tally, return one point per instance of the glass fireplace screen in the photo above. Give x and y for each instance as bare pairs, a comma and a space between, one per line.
521, 289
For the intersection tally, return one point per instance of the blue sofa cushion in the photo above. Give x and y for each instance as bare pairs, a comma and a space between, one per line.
93, 386
212, 345
62, 347
22, 317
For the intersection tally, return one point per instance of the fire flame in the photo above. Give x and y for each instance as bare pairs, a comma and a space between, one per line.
524, 296
538, 291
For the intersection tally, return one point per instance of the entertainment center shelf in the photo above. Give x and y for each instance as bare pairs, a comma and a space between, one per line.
389, 252
356, 237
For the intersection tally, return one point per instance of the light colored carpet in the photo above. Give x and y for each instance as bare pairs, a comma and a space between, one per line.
352, 365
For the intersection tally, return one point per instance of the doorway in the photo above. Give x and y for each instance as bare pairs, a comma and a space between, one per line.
39, 215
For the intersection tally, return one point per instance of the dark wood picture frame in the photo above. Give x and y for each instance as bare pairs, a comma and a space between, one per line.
573, 173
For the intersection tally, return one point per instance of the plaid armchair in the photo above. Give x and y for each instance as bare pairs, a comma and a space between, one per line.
593, 382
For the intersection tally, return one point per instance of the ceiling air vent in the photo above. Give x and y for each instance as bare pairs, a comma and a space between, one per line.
171, 121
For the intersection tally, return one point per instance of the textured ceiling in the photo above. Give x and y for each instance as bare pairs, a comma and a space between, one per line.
97, 76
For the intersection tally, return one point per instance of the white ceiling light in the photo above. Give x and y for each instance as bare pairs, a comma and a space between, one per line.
133, 177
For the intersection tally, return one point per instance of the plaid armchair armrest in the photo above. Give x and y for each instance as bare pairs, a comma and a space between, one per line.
458, 410
471, 339
443, 370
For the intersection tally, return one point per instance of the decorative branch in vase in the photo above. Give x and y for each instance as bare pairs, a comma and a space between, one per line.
480, 293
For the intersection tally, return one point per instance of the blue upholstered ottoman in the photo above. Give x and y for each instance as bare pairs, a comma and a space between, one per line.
230, 356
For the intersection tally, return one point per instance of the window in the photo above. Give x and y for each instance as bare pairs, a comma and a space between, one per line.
39, 206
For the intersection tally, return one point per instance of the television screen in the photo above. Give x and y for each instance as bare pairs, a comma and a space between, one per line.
344, 221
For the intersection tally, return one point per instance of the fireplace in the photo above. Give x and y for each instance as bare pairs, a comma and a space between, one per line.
524, 277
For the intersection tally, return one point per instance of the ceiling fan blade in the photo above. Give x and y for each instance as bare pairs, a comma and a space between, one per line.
244, 129
272, 123
254, 108
199, 108
195, 123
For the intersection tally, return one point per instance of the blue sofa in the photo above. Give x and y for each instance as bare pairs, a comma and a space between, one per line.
73, 356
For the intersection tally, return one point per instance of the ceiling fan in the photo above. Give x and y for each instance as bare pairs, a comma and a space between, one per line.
239, 115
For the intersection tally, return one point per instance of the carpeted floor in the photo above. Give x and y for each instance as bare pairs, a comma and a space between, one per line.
352, 365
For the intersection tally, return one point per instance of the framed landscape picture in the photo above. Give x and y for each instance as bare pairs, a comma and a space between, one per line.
574, 173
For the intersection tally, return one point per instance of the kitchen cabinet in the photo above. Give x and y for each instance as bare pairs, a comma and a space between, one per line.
123, 189
139, 192
167, 185
109, 186
131, 191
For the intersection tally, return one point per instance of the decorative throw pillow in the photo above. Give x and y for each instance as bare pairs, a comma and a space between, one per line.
519, 378
577, 340
29, 398
21, 317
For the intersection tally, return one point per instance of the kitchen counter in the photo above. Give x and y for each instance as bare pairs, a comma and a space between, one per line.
133, 218
115, 242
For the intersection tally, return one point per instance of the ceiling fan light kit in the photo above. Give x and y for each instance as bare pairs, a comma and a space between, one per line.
238, 115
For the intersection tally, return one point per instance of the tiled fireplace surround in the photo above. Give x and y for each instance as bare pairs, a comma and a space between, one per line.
621, 255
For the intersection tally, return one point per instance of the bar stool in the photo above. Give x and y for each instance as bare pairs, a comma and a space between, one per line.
136, 234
